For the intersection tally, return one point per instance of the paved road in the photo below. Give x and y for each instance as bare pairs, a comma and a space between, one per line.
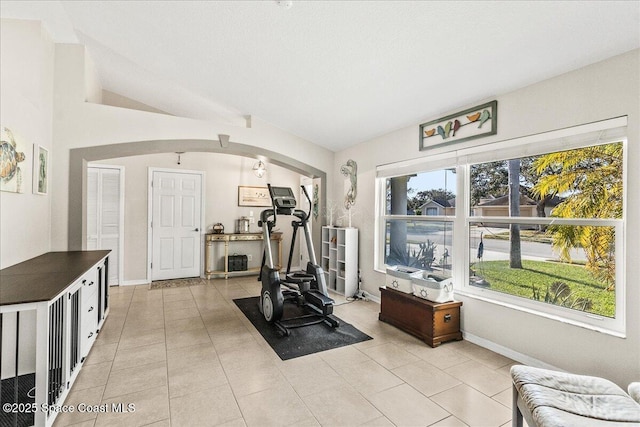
499, 249
494, 249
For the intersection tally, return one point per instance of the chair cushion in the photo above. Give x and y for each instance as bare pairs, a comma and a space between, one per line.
555, 398
552, 417
634, 391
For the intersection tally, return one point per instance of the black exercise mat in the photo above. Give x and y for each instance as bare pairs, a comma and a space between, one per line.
301, 341
17, 415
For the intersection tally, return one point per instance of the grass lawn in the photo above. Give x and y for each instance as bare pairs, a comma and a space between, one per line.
541, 274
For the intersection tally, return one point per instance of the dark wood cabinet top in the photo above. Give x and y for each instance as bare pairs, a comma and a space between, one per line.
417, 300
45, 276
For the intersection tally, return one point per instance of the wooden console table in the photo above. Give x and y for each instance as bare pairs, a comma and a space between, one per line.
432, 322
228, 239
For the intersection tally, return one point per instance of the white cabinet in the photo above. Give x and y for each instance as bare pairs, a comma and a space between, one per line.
51, 308
340, 259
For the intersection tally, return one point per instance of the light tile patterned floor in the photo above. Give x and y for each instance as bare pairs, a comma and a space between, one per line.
188, 357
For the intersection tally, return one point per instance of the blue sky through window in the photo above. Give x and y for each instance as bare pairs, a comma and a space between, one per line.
434, 180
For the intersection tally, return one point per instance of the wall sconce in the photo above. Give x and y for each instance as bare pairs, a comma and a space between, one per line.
259, 169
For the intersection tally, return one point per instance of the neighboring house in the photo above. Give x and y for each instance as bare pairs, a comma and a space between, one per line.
437, 206
499, 206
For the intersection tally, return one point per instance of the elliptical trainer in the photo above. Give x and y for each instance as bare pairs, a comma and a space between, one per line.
307, 288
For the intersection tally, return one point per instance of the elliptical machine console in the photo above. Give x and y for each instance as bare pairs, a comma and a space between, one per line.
282, 198
306, 288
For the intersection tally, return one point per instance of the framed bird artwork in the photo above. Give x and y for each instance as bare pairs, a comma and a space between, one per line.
469, 124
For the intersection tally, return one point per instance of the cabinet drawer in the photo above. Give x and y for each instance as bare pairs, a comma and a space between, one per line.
88, 328
89, 286
88, 335
89, 306
90, 309
89, 294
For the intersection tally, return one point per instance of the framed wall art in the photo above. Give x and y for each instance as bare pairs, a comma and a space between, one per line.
40, 169
13, 157
253, 196
469, 124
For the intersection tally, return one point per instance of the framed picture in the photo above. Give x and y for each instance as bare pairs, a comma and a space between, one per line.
14, 154
40, 169
469, 124
253, 196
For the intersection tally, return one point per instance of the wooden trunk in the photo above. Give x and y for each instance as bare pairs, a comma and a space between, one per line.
432, 322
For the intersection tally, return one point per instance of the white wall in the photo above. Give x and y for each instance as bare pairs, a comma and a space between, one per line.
78, 124
600, 91
44, 89
26, 104
223, 174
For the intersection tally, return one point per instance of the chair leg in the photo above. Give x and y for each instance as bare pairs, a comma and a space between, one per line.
516, 415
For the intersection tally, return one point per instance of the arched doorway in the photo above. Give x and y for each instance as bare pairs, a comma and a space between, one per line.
80, 157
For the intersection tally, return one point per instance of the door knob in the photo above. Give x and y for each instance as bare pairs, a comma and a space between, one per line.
197, 229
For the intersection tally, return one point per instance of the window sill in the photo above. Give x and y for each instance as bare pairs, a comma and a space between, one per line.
558, 318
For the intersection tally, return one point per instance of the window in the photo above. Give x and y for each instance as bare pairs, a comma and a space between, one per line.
541, 231
569, 263
413, 239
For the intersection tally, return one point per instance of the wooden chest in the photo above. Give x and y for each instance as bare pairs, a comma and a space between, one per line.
432, 322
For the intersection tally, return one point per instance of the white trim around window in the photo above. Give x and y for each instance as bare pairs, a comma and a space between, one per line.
596, 133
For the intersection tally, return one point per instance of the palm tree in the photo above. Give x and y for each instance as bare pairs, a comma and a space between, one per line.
515, 250
397, 193
591, 178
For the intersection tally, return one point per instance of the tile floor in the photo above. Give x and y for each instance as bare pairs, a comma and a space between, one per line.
188, 357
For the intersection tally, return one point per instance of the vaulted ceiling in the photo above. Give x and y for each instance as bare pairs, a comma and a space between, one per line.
333, 72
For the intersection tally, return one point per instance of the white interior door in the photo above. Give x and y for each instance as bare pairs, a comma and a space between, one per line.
105, 215
176, 224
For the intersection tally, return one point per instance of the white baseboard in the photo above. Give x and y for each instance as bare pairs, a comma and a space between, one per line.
134, 282
490, 345
507, 352
372, 297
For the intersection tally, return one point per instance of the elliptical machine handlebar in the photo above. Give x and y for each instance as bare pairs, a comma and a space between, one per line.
273, 203
304, 190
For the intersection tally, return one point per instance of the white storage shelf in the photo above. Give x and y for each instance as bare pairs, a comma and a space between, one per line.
340, 259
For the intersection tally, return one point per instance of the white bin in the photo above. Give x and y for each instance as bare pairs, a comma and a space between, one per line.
433, 288
399, 278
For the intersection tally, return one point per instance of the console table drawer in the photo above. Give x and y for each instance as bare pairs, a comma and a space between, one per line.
432, 322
